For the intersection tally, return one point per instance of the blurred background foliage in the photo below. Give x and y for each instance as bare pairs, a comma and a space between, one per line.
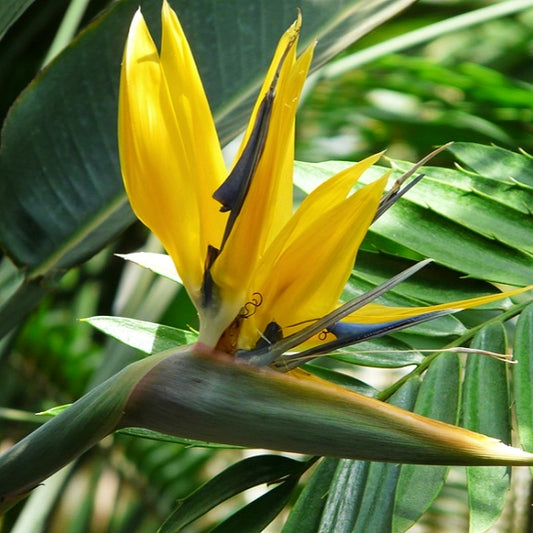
474, 84
468, 85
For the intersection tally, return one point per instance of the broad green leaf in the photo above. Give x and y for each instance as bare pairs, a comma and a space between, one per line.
306, 513
441, 326
523, 377
486, 408
457, 247
417, 485
384, 352
433, 284
344, 496
496, 163
61, 194
237, 478
510, 194
480, 213
147, 337
381, 485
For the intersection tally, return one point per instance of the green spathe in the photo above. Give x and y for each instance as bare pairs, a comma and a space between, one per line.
208, 396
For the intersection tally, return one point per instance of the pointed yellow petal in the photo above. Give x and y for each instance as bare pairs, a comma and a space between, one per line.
289, 38
268, 204
198, 136
165, 173
328, 195
306, 278
373, 313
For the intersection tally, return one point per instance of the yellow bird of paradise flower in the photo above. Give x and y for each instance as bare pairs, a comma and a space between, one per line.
266, 294
232, 235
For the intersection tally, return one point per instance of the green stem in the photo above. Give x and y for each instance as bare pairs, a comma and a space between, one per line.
460, 341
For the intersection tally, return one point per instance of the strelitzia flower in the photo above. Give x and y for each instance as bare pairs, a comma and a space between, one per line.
264, 280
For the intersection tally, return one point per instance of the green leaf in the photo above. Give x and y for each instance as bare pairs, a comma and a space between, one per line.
480, 213
257, 515
10, 11
496, 163
457, 247
237, 478
523, 377
306, 513
431, 285
384, 352
61, 193
163, 437
147, 337
486, 409
418, 486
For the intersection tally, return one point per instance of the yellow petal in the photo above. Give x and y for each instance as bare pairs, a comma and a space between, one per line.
305, 278
198, 137
373, 313
289, 38
268, 204
328, 195
166, 170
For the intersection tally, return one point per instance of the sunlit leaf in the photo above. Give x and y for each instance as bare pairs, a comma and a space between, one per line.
160, 264
496, 249
496, 163
144, 336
